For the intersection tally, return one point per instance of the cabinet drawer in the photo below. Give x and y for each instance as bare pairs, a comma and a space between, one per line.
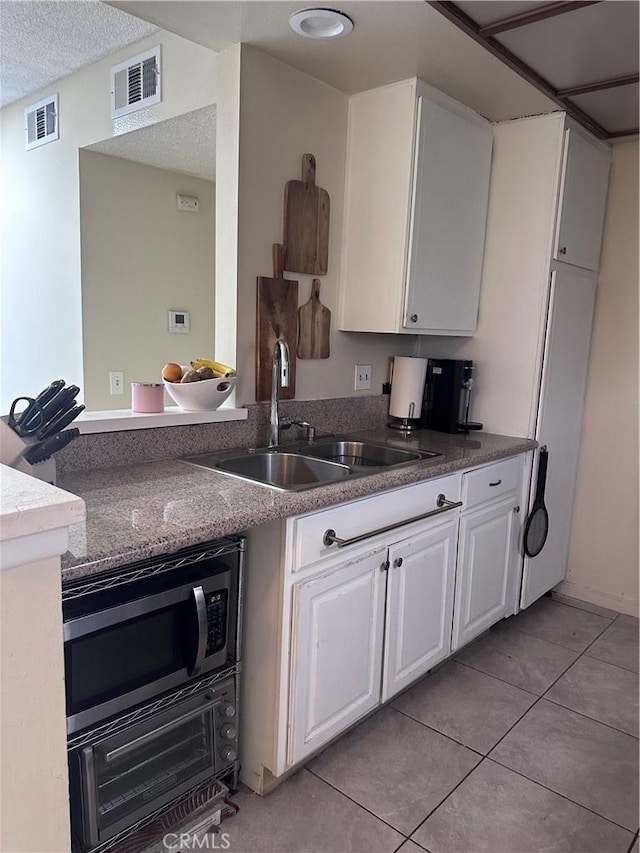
364, 516
491, 481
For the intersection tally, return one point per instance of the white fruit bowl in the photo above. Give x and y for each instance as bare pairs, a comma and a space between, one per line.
203, 396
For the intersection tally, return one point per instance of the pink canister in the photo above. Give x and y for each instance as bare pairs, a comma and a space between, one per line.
147, 397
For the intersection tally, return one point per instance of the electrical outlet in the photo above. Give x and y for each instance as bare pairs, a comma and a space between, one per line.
189, 203
116, 381
362, 377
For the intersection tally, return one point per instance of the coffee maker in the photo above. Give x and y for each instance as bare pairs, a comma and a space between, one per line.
448, 393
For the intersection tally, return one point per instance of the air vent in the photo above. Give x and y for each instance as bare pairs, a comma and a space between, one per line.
41, 122
135, 83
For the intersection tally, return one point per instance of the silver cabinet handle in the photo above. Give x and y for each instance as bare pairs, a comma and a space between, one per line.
201, 615
329, 538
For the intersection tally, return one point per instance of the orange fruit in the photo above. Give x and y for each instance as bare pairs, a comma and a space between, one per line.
172, 372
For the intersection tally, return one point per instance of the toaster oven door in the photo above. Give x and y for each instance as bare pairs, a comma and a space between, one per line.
127, 776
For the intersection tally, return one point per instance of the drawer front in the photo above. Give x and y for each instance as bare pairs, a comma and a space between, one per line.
367, 515
492, 481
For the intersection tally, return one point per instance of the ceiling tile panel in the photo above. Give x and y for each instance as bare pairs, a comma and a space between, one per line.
615, 109
586, 45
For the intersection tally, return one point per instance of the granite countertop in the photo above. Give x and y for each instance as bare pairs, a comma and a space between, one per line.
145, 510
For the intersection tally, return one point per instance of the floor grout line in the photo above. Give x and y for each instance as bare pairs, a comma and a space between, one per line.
444, 799
501, 680
588, 717
356, 803
617, 665
584, 609
495, 677
438, 732
558, 794
635, 838
514, 627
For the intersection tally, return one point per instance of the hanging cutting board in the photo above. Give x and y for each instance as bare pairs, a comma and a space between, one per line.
306, 222
314, 326
276, 316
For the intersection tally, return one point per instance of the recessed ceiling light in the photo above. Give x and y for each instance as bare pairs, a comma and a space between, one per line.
320, 23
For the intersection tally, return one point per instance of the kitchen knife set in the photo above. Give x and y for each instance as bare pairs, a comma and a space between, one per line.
43, 419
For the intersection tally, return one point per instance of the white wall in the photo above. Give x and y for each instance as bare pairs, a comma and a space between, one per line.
40, 265
285, 114
140, 257
603, 557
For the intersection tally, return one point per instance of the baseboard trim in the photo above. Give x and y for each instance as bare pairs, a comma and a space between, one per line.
603, 599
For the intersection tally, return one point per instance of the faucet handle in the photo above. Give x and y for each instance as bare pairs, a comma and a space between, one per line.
309, 431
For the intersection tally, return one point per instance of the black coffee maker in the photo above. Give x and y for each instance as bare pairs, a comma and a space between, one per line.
448, 393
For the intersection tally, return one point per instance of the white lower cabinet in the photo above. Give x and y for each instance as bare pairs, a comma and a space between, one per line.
349, 605
372, 622
487, 559
419, 605
338, 625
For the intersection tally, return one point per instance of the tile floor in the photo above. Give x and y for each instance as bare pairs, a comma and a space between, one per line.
527, 741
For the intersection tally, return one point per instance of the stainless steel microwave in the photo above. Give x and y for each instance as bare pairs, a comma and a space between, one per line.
147, 635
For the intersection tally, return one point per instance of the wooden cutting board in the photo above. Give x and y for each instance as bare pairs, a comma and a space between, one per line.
306, 222
276, 316
314, 326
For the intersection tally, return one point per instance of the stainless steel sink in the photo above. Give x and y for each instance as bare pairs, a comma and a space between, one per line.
278, 469
303, 466
361, 455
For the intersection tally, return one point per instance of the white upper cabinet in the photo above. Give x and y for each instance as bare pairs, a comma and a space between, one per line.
418, 169
583, 198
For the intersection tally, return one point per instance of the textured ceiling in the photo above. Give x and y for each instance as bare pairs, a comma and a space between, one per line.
40, 42
391, 40
185, 144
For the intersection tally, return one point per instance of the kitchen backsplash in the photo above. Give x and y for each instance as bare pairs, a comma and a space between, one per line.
109, 449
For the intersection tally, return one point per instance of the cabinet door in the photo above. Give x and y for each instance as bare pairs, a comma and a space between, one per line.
451, 194
419, 605
582, 202
562, 393
487, 569
338, 623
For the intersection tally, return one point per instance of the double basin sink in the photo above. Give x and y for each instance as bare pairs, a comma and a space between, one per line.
303, 466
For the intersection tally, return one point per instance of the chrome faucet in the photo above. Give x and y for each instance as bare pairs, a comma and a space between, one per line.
279, 378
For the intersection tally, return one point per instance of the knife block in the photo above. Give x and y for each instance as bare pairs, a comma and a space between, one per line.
12, 447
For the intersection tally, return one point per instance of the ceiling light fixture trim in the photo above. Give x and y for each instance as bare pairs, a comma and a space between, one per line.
320, 23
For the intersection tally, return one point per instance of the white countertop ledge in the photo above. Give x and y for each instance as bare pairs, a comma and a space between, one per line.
34, 518
116, 420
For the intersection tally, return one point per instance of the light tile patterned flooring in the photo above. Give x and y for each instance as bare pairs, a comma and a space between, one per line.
526, 742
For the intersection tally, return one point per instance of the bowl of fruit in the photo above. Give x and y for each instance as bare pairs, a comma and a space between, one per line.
201, 386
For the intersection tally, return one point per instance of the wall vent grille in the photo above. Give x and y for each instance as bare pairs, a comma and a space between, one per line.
135, 83
41, 122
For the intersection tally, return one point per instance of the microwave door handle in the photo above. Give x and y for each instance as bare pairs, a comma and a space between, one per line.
201, 616
139, 742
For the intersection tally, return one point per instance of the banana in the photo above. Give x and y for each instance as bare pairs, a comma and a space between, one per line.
218, 367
